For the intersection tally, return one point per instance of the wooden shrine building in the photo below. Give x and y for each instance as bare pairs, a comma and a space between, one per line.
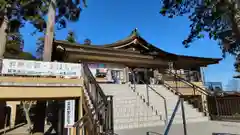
131, 52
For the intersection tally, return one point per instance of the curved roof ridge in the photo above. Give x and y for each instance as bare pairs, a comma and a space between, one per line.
134, 34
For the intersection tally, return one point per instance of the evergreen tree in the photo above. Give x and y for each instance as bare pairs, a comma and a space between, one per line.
71, 37
40, 48
218, 18
15, 43
40, 44
34, 11
14, 48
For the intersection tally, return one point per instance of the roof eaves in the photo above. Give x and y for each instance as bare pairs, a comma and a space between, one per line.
196, 57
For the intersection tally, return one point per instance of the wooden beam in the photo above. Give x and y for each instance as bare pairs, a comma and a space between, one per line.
107, 53
118, 60
25, 93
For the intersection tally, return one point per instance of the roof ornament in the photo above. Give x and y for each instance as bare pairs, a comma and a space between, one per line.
135, 32
87, 41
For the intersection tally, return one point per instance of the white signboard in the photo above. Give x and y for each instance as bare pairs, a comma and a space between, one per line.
40, 68
69, 113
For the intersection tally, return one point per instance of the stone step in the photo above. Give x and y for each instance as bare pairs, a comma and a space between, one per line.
132, 125
130, 110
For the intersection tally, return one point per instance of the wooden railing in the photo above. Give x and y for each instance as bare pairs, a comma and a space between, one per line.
188, 75
190, 84
196, 91
225, 107
100, 110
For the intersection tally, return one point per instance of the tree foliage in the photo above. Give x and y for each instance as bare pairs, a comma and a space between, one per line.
40, 47
14, 47
34, 11
218, 18
40, 43
236, 64
14, 43
71, 37
18, 12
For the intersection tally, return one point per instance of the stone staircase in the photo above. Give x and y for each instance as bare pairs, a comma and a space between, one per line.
133, 117
157, 103
130, 111
200, 128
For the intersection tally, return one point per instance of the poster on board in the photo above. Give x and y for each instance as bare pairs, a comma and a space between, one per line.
69, 113
101, 72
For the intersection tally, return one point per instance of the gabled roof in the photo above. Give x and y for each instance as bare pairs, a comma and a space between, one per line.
135, 40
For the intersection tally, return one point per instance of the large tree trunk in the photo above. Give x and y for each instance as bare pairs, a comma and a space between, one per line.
27, 107
47, 53
3, 36
29, 122
39, 122
39, 118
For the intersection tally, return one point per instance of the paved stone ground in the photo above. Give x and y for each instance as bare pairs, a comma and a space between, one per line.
202, 128
22, 130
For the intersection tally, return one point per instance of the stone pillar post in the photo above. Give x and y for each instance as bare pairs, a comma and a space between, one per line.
3, 36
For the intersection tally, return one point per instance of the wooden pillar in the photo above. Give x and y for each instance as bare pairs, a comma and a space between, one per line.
3, 36
126, 75
189, 76
202, 75
205, 104
80, 113
13, 105
39, 118
146, 76
109, 119
60, 117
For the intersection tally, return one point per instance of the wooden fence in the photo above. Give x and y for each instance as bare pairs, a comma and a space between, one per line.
224, 107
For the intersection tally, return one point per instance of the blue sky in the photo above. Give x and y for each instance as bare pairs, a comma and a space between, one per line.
107, 21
